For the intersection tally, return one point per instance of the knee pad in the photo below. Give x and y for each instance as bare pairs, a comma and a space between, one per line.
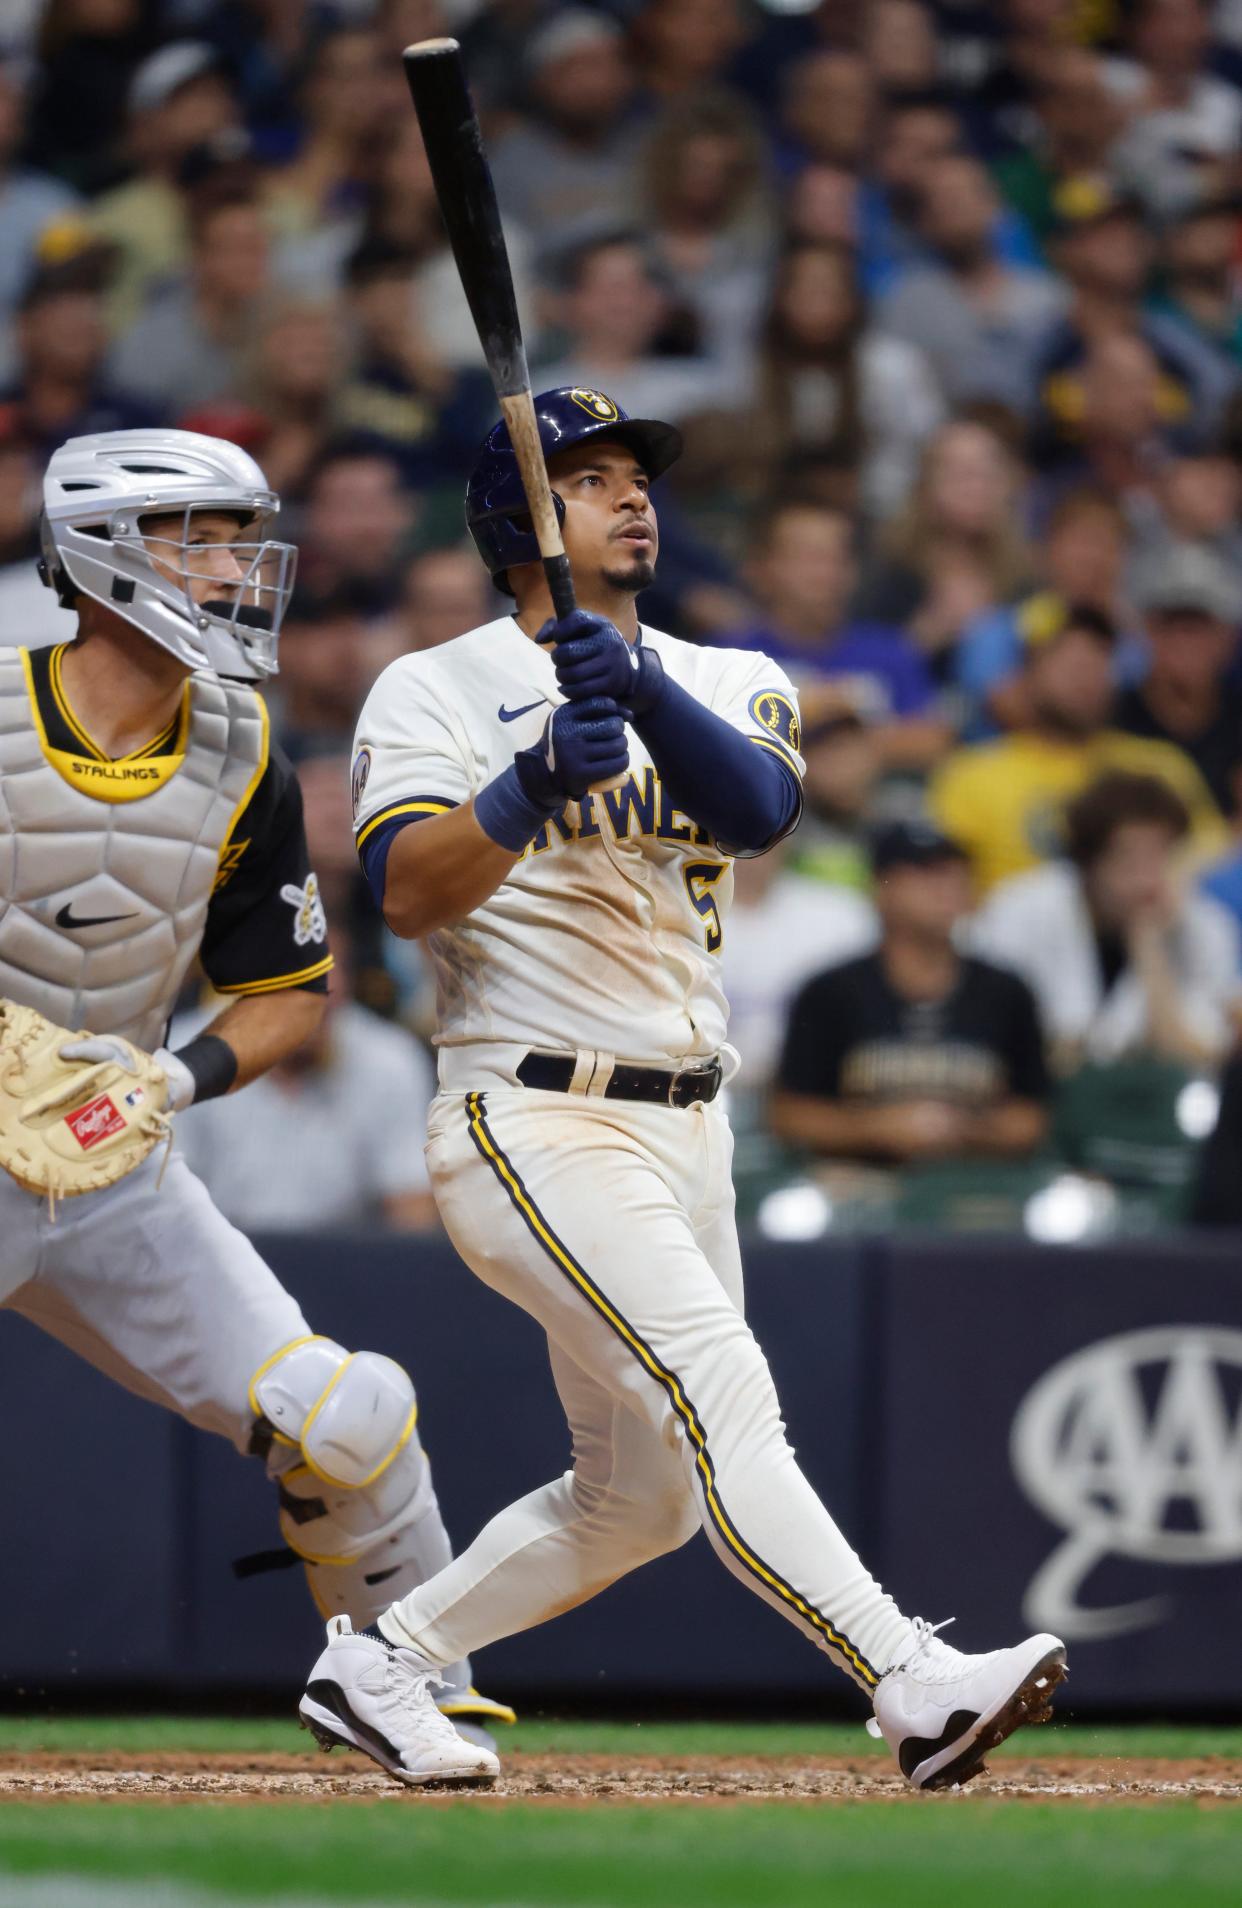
349, 1413
356, 1498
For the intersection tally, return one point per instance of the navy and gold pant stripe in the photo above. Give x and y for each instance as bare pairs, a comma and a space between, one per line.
537, 1225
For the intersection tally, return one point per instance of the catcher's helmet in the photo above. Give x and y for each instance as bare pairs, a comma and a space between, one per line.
99, 493
497, 514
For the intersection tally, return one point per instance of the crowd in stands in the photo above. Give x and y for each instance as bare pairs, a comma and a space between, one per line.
947, 299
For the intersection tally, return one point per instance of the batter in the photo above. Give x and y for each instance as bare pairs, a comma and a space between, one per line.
146, 819
578, 1149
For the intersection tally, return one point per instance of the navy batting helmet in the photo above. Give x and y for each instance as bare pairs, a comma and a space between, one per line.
497, 514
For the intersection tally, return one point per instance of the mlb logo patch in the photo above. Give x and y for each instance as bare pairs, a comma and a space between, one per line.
95, 1121
135, 1096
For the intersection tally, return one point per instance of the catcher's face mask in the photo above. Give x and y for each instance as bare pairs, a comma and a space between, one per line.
232, 584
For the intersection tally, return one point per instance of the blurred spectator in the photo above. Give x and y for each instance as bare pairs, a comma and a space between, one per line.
843, 768
1004, 800
29, 200
340, 102
1190, 695
29, 613
1027, 37
827, 111
192, 343
1077, 122
783, 927
1120, 957
914, 1052
957, 548
292, 382
1081, 559
61, 388
1184, 122
1112, 430
177, 102
422, 413
570, 159
708, 222
1199, 279
913, 134
822, 207
445, 593
87, 52
802, 570
976, 317
828, 382
899, 46
324, 676
614, 311
262, 43
1104, 253
330, 1137
683, 46
357, 524
1199, 497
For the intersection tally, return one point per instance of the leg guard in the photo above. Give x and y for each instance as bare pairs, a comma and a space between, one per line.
357, 1503
339, 1432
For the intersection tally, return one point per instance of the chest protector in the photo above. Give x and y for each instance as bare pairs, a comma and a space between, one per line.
103, 895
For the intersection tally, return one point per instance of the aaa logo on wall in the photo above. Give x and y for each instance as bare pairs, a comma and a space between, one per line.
1134, 1447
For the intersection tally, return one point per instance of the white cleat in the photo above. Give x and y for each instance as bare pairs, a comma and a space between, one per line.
366, 1695
940, 1711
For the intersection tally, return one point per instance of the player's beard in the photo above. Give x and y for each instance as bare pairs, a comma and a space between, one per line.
629, 578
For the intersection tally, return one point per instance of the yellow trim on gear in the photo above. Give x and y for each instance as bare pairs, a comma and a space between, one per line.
535, 1221
127, 779
401, 808
777, 749
277, 982
326, 1477
169, 741
309, 1338
472, 1704
259, 772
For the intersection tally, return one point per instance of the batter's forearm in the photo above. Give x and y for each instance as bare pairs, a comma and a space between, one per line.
263, 1029
722, 779
439, 871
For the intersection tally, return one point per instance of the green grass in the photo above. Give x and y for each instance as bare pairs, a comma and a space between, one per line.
938, 1854
241, 1735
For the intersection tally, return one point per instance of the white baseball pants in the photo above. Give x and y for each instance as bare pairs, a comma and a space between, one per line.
612, 1224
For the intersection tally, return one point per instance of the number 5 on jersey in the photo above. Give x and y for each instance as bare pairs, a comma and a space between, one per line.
700, 878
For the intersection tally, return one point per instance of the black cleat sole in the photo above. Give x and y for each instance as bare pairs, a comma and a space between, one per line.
1031, 1702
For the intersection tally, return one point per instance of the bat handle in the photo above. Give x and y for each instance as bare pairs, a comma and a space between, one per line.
560, 584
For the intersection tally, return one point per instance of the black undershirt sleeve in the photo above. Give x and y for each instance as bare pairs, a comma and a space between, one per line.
265, 926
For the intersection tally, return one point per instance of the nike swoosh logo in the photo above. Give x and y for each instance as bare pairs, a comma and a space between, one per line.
66, 918
511, 715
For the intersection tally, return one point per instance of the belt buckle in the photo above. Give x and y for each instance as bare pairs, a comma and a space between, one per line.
689, 1076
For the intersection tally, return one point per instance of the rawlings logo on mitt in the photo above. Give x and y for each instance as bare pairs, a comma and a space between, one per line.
73, 1126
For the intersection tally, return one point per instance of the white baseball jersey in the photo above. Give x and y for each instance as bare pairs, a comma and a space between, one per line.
605, 935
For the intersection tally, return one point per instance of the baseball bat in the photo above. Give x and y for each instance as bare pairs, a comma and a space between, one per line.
463, 182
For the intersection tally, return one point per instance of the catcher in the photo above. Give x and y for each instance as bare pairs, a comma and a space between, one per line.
146, 819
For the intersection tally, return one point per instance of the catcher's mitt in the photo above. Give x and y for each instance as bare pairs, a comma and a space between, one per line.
73, 1126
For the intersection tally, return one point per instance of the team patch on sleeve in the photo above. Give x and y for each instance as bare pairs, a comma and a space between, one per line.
360, 776
776, 714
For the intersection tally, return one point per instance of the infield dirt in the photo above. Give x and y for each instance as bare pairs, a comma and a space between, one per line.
167, 1776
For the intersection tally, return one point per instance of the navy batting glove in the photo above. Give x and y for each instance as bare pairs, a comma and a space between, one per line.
592, 658
582, 743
